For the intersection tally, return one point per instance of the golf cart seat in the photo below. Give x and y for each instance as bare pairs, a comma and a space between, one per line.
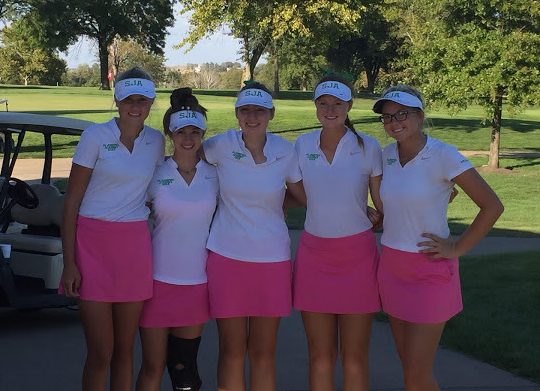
37, 249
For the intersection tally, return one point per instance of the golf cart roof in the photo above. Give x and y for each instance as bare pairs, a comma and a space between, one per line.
46, 125
40, 123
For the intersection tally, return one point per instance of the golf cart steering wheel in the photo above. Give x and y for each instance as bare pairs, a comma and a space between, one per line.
21, 192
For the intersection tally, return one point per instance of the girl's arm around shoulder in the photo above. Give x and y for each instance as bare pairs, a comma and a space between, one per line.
491, 207
79, 178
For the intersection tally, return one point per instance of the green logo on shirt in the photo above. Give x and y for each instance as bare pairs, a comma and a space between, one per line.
165, 182
390, 161
110, 147
238, 155
312, 156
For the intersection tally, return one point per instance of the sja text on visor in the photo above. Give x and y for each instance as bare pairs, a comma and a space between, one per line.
254, 96
135, 86
181, 119
334, 88
400, 97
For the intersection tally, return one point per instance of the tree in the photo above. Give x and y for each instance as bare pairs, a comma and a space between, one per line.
59, 23
22, 61
484, 52
84, 75
257, 23
371, 48
126, 54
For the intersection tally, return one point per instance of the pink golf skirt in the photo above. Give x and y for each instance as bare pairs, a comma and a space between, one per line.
176, 306
419, 289
336, 275
243, 288
114, 259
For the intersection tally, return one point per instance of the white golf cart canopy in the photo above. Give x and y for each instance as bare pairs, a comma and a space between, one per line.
19, 123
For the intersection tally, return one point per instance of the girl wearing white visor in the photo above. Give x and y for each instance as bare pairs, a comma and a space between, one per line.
249, 268
335, 285
418, 272
184, 194
105, 236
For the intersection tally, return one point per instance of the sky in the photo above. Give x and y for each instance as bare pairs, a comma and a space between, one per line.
217, 48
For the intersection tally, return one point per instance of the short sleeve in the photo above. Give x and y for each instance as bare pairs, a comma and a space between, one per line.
87, 151
376, 158
210, 148
453, 163
293, 169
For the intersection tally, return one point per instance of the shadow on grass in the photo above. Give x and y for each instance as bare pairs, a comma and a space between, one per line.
69, 112
471, 125
41, 148
296, 217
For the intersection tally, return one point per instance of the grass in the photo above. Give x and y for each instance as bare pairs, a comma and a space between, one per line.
295, 114
500, 320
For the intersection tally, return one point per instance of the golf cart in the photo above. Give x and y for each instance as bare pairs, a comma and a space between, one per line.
31, 259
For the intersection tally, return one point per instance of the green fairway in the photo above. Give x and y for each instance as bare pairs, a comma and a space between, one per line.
296, 114
500, 320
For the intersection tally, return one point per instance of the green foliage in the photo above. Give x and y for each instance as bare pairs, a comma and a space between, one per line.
23, 61
83, 76
230, 79
58, 23
126, 54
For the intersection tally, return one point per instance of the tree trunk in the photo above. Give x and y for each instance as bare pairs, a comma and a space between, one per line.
246, 73
103, 64
496, 121
276, 75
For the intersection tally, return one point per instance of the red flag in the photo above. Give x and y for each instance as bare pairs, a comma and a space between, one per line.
109, 75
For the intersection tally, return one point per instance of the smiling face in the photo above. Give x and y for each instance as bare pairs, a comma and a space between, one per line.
331, 111
134, 108
409, 128
187, 140
254, 119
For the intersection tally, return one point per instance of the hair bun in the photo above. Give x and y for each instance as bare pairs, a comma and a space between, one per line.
180, 96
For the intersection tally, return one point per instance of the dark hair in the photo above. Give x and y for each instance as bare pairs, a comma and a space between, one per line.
348, 123
133, 73
251, 84
181, 99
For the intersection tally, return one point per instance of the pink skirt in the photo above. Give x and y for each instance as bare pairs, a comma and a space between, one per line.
419, 289
242, 288
336, 275
114, 259
176, 306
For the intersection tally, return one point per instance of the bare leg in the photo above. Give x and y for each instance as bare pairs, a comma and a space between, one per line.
125, 321
262, 352
232, 353
321, 332
354, 334
99, 333
417, 345
154, 354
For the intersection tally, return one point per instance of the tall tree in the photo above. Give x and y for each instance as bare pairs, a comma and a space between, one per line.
125, 54
370, 48
59, 23
23, 61
258, 22
484, 52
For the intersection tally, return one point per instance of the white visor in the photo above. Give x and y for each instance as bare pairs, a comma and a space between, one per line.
254, 96
403, 98
334, 88
181, 119
135, 86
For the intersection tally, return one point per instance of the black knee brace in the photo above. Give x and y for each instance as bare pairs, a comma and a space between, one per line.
182, 363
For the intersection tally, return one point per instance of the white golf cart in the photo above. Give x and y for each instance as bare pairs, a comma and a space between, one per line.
30, 216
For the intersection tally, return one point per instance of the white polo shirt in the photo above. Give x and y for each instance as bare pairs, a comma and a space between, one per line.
117, 187
249, 224
415, 197
337, 192
183, 214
